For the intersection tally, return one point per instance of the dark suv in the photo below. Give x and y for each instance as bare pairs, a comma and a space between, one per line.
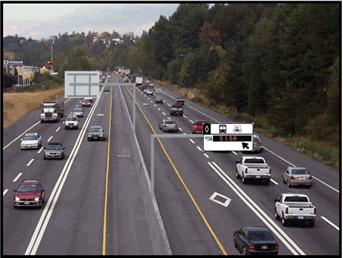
30, 193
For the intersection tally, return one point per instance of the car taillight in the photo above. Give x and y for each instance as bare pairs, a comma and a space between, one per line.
277, 247
270, 171
258, 143
315, 211
310, 178
246, 171
286, 211
175, 125
251, 247
292, 178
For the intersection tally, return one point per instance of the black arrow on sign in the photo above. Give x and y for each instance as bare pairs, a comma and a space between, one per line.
245, 145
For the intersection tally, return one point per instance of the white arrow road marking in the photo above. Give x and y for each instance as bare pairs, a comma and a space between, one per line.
192, 141
28, 164
50, 138
40, 150
5, 191
206, 155
328, 221
225, 204
15, 179
57, 129
274, 181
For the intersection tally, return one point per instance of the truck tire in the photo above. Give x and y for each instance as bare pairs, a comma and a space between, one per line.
311, 224
267, 181
62, 114
287, 183
277, 217
237, 175
244, 181
42, 121
284, 221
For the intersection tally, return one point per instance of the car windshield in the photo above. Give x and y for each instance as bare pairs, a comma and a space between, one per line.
54, 147
30, 137
296, 199
71, 119
300, 171
169, 122
260, 236
28, 188
95, 129
78, 110
254, 161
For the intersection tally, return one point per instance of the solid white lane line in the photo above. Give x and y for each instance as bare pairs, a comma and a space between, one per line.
21, 135
274, 182
328, 221
325, 184
50, 138
206, 155
15, 179
234, 152
180, 129
191, 121
158, 108
5, 191
184, 116
164, 113
289, 243
192, 141
58, 129
295, 166
168, 117
28, 164
199, 148
40, 150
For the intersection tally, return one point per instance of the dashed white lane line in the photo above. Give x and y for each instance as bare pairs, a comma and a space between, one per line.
15, 179
168, 117
50, 138
28, 164
40, 150
155, 105
77, 105
328, 221
295, 166
234, 152
274, 182
164, 101
191, 121
206, 155
199, 148
148, 98
184, 133
164, 113
6, 190
180, 129
192, 141
158, 108
58, 129
168, 104
184, 116
150, 101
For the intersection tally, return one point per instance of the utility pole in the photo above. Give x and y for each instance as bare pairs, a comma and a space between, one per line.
52, 63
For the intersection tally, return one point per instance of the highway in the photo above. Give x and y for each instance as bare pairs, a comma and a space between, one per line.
186, 178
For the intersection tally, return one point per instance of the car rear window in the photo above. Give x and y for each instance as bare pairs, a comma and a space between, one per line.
300, 171
255, 236
169, 122
296, 199
254, 161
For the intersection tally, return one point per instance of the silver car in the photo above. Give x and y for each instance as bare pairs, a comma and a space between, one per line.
168, 125
54, 151
257, 146
297, 176
31, 141
77, 112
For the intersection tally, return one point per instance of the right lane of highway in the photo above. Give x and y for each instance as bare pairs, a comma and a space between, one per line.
325, 199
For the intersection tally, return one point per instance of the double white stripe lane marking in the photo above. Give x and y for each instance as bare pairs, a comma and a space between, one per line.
288, 242
49, 207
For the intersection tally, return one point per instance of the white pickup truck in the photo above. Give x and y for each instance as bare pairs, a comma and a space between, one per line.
295, 207
254, 169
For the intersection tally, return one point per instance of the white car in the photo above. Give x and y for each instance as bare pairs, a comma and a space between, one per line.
31, 141
158, 91
145, 90
149, 92
71, 122
78, 112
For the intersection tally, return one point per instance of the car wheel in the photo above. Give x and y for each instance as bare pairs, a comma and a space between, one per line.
88, 139
287, 183
237, 175
235, 242
244, 181
309, 186
62, 157
44, 157
284, 221
244, 251
192, 132
15, 207
311, 224
66, 128
277, 217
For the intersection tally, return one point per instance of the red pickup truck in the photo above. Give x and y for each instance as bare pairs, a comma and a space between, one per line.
197, 126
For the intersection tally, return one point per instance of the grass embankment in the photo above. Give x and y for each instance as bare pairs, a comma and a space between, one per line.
18, 104
321, 151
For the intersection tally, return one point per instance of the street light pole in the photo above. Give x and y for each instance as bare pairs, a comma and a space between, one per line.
52, 47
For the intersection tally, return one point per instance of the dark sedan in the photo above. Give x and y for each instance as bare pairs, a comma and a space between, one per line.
106, 89
255, 240
96, 133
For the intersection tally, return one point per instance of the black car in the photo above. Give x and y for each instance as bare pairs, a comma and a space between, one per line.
96, 133
106, 89
255, 240
180, 101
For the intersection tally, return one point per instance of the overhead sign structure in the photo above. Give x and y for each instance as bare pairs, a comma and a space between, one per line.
81, 84
228, 137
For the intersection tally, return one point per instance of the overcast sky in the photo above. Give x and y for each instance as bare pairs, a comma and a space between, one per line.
44, 20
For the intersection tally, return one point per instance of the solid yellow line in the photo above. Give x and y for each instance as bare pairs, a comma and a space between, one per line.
106, 181
183, 183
